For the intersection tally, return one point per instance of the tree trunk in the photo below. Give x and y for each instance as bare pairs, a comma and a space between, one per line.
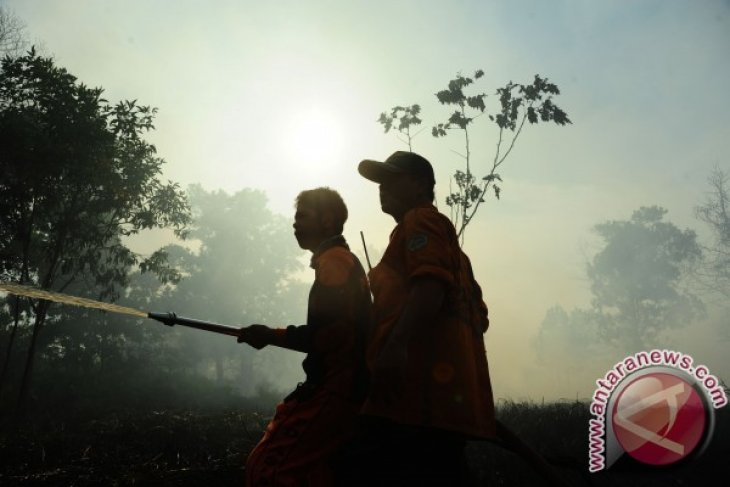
246, 378
219, 369
28, 372
9, 350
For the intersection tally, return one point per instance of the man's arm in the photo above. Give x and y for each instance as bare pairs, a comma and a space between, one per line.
329, 305
424, 302
259, 336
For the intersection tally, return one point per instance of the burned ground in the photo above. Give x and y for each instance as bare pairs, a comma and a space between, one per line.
190, 448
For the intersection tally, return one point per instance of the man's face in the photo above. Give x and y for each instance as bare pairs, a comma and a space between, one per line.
308, 228
399, 193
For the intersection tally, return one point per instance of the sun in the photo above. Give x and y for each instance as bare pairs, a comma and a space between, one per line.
314, 137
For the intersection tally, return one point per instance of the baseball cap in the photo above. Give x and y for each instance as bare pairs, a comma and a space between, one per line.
399, 162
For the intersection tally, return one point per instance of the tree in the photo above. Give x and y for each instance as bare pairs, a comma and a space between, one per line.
239, 273
567, 341
402, 118
518, 103
529, 102
12, 34
637, 279
91, 361
77, 178
714, 274
639, 287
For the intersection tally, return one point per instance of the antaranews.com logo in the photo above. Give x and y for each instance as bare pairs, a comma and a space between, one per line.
655, 406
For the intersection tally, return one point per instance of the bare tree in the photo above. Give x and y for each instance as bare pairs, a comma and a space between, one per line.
13, 38
714, 274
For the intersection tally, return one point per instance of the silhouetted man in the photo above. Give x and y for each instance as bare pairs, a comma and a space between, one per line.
430, 386
315, 419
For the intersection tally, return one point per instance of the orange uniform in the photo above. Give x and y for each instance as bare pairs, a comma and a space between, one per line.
448, 386
319, 415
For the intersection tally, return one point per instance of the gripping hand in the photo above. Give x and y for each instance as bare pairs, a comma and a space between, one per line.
258, 336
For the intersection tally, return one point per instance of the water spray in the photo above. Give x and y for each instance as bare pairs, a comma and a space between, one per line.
508, 439
169, 319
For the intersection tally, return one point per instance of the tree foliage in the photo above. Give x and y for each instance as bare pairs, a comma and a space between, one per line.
402, 119
240, 274
77, 178
235, 270
517, 104
565, 343
637, 279
639, 287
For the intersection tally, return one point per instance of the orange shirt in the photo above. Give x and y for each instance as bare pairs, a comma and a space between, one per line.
338, 319
447, 377
317, 418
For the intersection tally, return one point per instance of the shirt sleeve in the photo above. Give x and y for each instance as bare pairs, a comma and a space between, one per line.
429, 246
296, 337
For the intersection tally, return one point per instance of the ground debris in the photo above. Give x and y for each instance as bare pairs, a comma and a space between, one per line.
157, 448
190, 448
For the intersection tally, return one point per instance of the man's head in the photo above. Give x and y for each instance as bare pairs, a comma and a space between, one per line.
320, 214
406, 180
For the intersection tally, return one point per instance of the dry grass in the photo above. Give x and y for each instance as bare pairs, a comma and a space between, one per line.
185, 448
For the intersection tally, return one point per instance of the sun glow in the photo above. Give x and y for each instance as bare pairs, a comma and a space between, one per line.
314, 138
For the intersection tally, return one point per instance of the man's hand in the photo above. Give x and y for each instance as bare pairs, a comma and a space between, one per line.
389, 374
258, 336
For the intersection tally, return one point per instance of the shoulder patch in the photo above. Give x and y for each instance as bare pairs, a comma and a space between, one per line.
417, 242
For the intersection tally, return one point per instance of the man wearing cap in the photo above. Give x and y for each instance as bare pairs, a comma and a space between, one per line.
430, 386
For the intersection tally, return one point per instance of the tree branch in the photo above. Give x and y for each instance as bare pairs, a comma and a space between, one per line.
498, 161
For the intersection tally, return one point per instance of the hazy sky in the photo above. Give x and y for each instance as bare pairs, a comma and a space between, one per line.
284, 96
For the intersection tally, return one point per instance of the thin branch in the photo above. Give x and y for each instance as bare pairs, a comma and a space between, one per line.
486, 186
495, 162
451, 191
498, 161
465, 202
466, 137
416, 134
514, 139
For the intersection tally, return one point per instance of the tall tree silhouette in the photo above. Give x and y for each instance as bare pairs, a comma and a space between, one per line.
77, 177
636, 280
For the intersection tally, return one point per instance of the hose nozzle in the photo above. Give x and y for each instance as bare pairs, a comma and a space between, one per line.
168, 319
